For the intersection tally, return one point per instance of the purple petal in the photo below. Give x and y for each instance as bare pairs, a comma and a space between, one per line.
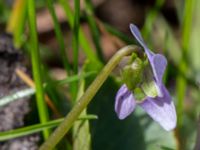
124, 102
162, 110
158, 62
136, 33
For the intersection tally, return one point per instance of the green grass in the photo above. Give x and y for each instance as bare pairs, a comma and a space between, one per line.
59, 36
36, 66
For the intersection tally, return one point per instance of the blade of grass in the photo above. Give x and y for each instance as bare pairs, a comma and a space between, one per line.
6, 135
15, 96
93, 27
150, 18
75, 78
75, 46
36, 64
16, 21
171, 45
59, 36
194, 43
181, 82
76, 26
67, 80
82, 38
30, 91
15, 15
119, 34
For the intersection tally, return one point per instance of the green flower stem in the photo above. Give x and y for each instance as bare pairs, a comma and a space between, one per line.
82, 103
36, 65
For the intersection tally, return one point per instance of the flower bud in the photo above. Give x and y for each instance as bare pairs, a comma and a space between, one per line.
138, 77
132, 72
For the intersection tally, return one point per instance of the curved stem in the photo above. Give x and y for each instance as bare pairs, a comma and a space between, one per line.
82, 103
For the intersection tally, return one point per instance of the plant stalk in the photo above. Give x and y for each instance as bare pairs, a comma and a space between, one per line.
82, 103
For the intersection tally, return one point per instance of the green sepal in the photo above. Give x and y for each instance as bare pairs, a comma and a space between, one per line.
132, 74
139, 94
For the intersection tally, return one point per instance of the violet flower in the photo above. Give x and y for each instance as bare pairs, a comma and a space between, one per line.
160, 108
